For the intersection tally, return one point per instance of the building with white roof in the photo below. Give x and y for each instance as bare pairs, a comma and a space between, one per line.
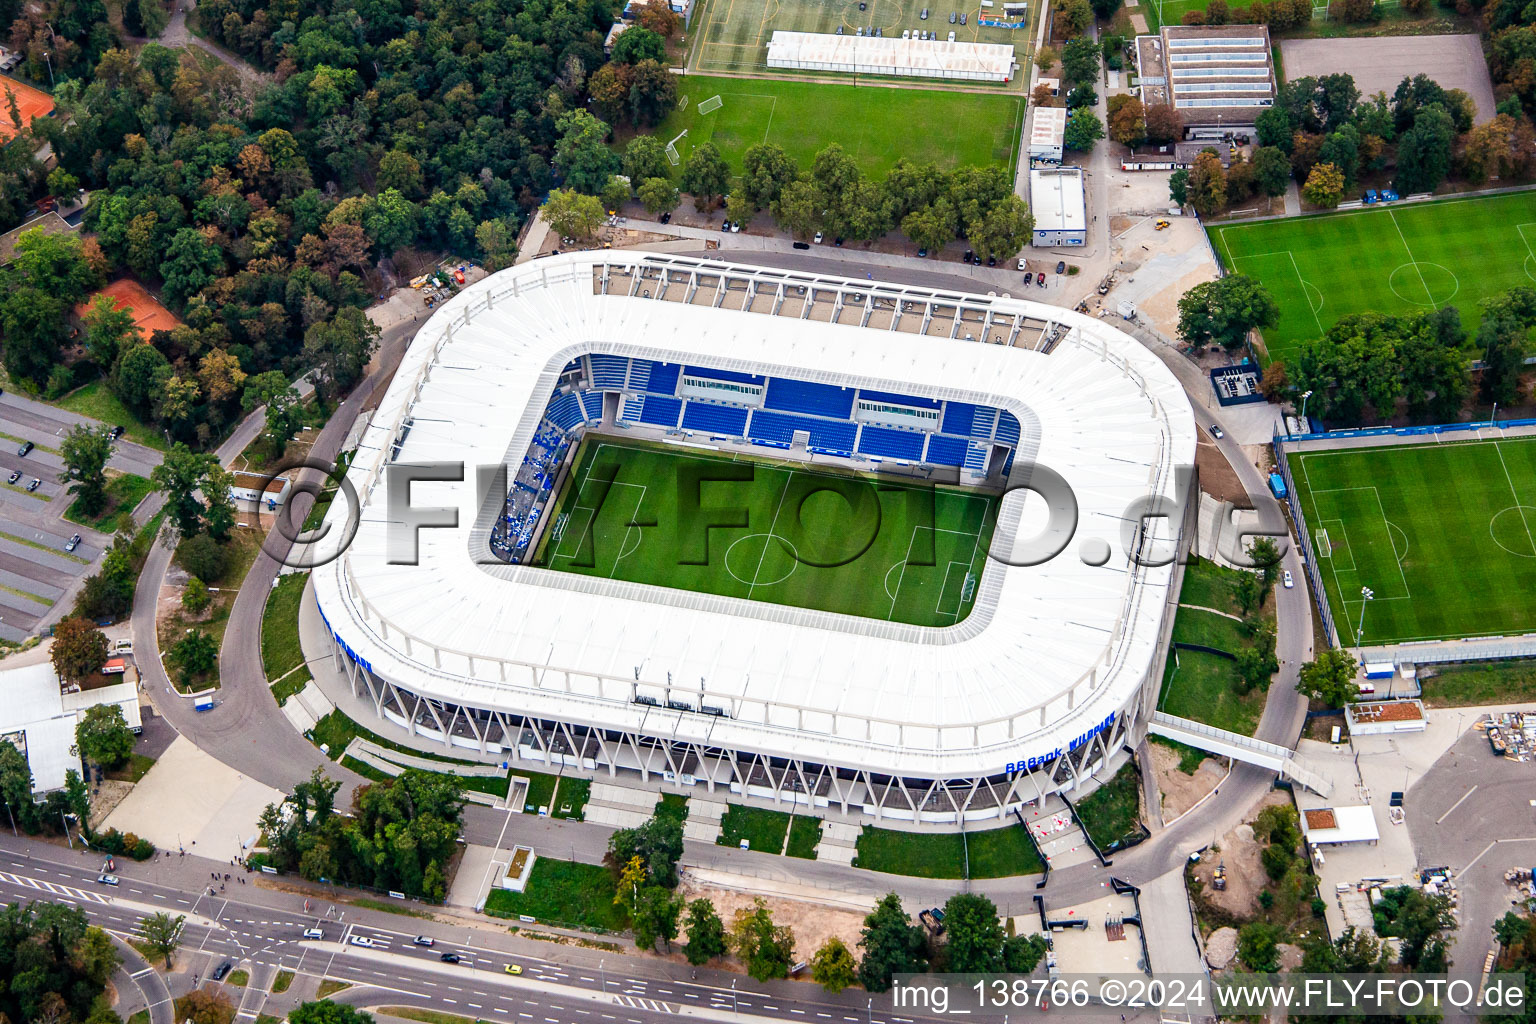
1218, 78
891, 55
39, 717
1047, 134
1054, 671
1056, 199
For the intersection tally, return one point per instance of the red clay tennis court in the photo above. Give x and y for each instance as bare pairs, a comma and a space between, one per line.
31, 102
148, 315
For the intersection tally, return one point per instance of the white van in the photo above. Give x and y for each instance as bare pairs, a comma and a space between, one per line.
313, 933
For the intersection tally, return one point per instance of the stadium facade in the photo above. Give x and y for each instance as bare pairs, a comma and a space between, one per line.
1053, 673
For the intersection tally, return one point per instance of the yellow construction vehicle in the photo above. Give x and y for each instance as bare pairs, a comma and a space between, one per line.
1162, 224
1219, 879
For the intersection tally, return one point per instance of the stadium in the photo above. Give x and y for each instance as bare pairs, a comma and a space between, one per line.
897, 638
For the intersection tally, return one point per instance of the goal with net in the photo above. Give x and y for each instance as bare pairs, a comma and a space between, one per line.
710, 105
672, 155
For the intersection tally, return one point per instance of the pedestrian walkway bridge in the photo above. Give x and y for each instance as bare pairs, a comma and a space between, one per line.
1243, 748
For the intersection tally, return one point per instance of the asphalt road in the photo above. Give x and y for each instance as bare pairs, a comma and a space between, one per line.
261, 930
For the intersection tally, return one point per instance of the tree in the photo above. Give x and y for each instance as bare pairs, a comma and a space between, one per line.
614, 194
658, 843
103, 736
195, 597
497, 242
284, 412
1164, 124
975, 934
339, 349
766, 170
31, 332
797, 210
191, 262
1080, 60
1083, 129
208, 1005
325, 1011
1022, 953
706, 933
1256, 662
1257, 946
1504, 340
1223, 311
933, 226
706, 176
1005, 228
79, 649
1265, 555
1127, 120
1074, 16
1178, 186
108, 329
652, 93
1424, 152
654, 915
1207, 183
582, 156
1330, 678
140, 377
609, 90
766, 948
402, 172
645, 157
203, 557
85, 451
658, 195
833, 966
1342, 150
637, 43
162, 933
178, 477
220, 374
659, 18
1272, 170
195, 654
1324, 187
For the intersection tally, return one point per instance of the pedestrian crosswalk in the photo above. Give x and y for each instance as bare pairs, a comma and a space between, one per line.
53, 888
641, 1003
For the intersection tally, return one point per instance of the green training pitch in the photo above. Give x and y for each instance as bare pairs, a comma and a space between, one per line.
778, 532
1442, 534
874, 125
733, 34
1171, 12
1395, 259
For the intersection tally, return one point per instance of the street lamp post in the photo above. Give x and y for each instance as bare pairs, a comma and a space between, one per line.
48, 59
1366, 593
734, 1007
1304, 396
602, 976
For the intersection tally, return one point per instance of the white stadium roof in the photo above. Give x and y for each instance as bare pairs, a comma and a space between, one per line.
891, 55
1046, 654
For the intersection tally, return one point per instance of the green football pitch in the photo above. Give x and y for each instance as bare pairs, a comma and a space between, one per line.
771, 531
1393, 259
1444, 536
875, 125
733, 34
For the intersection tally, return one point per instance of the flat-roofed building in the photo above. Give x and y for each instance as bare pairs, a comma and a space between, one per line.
1218, 78
1056, 199
1047, 134
891, 55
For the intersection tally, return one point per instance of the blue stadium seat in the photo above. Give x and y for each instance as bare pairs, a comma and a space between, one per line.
781, 427
592, 402
660, 410
1008, 428
945, 451
957, 418
716, 419
805, 397
564, 411
976, 456
609, 371
984, 421
731, 375
663, 379
886, 396
639, 375
630, 413
891, 444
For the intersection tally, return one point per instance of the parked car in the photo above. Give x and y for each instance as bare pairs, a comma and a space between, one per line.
953, 17
34, 484
991, 261
514, 968
922, 254
15, 475
802, 245
838, 240
1217, 432
313, 933
223, 969
1029, 278
74, 542
114, 433
1061, 266
450, 958
1287, 579
422, 940
26, 446
362, 940
924, 15
817, 239
107, 879
967, 257
951, 37
1040, 279
1023, 265
962, 17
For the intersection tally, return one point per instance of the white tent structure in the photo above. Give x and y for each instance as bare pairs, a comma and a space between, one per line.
1054, 671
891, 55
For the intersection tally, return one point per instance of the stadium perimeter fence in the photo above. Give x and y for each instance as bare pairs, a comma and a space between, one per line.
1303, 533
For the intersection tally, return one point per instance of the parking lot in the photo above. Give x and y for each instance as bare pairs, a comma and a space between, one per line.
36, 571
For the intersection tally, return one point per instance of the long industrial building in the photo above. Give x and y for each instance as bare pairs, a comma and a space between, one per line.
454, 634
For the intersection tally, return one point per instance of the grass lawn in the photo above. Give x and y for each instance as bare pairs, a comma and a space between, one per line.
1209, 630
330, 986
1394, 259
281, 657
243, 547
874, 125
281, 982
136, 767
124, 492
1169, 12
97, 401
1189, 757
142, 1017
1480, 682
1208, 585
428, 1016
998, 853
390, 907
1110, 813
804, 834
222, 1014
1204, 687
1442, 534
571, 798
564, 892
900, 553
672, 805
763, 830
239, 978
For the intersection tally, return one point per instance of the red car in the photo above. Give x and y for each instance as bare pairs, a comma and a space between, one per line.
1040, 278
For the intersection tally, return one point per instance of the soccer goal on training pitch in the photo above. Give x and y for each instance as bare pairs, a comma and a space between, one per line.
682, 102
710, 105
672, 155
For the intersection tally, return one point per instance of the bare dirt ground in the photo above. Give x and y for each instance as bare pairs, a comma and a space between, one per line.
105, 797
812, 923
1239, 852
1217, 477
1180, 792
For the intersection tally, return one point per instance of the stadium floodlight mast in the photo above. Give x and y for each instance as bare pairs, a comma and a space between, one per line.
1366, 593
1304, 396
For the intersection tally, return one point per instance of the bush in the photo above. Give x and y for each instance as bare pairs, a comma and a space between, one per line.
111, 841
195, 597
203, 557
1277, 861
142, 850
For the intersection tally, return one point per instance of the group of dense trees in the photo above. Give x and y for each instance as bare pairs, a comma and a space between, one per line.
54, 965
1322, 133
399, 836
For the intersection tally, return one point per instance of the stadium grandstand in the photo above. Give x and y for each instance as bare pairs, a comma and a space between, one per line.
472, 643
